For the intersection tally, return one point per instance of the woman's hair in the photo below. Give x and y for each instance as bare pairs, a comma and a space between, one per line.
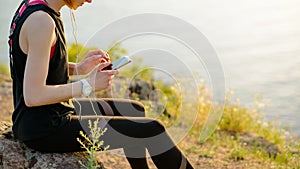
68, 1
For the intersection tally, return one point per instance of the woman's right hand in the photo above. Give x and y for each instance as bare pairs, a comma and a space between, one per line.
99, 79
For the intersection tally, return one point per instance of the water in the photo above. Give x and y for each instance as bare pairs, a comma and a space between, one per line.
258, 42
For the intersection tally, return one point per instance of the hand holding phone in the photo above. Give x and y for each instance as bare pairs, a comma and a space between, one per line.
118, 63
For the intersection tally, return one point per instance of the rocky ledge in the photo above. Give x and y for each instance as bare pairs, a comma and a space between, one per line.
15, 155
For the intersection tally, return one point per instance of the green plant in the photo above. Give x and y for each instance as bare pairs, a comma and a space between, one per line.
77, 51
92, 144
237, 119
116, 51
238, 152
4, 69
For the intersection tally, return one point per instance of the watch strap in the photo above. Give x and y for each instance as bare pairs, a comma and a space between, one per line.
86, 87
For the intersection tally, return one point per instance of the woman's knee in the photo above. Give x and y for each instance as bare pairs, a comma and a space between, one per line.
125, 107
138, 106
156, 127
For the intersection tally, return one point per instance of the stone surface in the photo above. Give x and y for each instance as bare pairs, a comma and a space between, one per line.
260, 142
252, 141
15, 155
136, 89
144, 89
123, 87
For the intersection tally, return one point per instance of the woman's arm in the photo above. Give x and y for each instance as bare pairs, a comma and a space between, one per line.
39, 34
86, 65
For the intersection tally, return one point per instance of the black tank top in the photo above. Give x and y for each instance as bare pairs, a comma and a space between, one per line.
35, 122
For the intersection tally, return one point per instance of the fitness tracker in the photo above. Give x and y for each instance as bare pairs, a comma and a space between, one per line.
86, 87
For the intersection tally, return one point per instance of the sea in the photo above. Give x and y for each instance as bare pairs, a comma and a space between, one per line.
257, 44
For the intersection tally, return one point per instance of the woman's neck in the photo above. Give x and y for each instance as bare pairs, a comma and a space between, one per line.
56, 5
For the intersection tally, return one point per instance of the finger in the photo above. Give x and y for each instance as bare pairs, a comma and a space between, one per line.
103, 65
104, 57
97, 52
101, 52
94, 59
112, 72
103, 60
97, 59
107, 56
92, 53
104, 54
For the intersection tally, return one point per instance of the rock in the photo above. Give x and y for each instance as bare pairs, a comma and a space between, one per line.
295, 152
4, 78
253, 140
144, 89
136, 89
5, 85
15, 155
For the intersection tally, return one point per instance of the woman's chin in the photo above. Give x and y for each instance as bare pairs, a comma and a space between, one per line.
73, 7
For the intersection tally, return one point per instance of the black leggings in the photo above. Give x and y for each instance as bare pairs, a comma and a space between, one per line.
127, 128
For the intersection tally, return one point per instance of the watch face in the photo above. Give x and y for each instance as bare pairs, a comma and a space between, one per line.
87, 90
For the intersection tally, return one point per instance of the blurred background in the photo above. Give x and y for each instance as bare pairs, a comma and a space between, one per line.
258, 43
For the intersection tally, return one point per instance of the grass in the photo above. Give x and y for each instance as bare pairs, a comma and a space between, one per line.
92, 144
4, 71
241, 120
237, 121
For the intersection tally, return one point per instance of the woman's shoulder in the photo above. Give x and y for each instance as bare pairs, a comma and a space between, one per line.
40, 19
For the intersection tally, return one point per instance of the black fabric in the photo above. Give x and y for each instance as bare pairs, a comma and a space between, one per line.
35, 122
134, 125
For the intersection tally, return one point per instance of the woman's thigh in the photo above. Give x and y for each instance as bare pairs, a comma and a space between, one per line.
128, 131
121, 132
109, 106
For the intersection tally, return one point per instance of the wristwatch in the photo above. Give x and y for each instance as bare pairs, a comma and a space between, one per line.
86, 87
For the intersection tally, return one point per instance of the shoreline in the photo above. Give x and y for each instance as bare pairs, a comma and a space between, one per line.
224, 149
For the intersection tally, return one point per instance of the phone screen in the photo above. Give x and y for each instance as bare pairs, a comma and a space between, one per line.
121, 62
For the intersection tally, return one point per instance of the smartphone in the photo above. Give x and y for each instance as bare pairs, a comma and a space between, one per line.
118, 63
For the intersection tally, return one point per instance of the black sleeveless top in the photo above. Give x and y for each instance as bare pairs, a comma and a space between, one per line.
35, 122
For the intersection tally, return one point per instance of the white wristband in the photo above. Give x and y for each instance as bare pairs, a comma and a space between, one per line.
86, 88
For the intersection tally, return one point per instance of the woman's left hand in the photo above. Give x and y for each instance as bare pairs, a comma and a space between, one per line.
91, 60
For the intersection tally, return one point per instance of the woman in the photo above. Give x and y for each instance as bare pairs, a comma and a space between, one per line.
45, 117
